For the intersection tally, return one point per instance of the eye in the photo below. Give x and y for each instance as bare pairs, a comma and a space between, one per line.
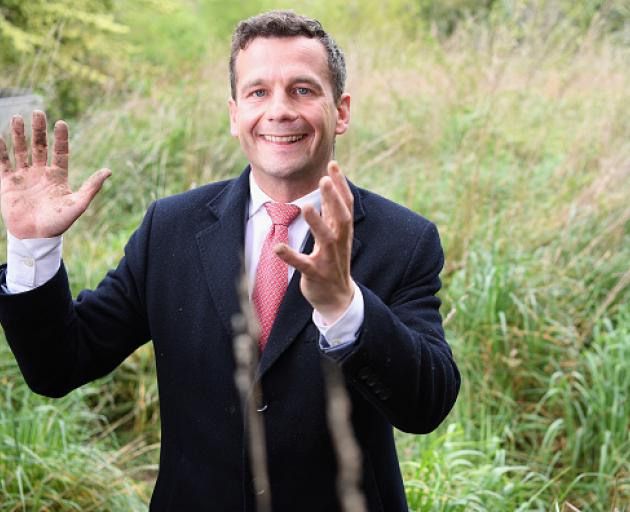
258, 93
302, 91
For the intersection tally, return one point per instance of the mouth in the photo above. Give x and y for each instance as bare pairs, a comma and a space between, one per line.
284, 139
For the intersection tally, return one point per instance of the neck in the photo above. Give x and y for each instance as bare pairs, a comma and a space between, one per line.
284, 190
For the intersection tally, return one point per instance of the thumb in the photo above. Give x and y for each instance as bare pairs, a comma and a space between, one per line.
91, 186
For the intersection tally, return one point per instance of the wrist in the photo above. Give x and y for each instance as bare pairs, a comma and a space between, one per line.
334, 309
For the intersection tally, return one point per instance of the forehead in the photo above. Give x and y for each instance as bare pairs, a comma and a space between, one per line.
267, 58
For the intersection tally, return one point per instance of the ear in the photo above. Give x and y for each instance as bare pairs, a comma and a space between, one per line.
233, 117
343, 114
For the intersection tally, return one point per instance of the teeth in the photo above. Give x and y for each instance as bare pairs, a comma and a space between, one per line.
290, 138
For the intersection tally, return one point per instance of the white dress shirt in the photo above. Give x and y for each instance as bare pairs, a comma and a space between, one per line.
32, 262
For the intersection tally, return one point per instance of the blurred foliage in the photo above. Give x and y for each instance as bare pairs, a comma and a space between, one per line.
174, 40
445, 15
66, 50
74, 51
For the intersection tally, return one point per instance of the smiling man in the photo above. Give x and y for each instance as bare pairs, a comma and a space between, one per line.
336, 274
286, 112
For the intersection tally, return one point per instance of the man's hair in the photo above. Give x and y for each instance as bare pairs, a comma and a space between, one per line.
288, 24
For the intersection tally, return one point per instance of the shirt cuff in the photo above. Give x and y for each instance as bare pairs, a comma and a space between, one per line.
31, 262
346, 328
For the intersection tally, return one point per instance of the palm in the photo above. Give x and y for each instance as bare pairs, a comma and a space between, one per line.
36, 200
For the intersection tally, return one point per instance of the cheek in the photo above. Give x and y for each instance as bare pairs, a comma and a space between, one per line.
247, 119
328, 116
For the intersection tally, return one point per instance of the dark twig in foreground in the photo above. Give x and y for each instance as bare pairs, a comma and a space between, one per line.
346, 446
246, 334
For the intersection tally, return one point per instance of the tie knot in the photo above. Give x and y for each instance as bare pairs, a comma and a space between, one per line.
282, 213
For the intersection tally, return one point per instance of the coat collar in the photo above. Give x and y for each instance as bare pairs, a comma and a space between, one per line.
221, 247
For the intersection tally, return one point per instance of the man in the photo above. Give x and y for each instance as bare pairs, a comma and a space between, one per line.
352, 281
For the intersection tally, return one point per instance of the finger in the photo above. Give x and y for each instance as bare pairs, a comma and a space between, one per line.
39, 141
5, 163
301, 262
321, 231
337, 213
334, 171
61, 151
19, 142
91, 186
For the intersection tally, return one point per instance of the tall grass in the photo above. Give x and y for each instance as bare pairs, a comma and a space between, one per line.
513, 136
49, 456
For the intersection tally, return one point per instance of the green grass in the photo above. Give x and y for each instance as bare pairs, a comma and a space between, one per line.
511, 133
51, 455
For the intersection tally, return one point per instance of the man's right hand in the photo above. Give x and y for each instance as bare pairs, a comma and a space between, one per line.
36, 200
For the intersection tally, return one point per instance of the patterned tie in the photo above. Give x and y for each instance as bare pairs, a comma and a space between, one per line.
272, 274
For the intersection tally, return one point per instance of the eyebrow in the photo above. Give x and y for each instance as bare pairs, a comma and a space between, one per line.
307, 80
252, 83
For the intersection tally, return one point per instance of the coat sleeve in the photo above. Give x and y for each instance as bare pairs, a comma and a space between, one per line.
401, 362
60, 343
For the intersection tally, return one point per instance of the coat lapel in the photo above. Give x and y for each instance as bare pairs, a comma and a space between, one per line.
221, 247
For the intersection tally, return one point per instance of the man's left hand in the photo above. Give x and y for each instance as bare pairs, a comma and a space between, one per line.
326, 281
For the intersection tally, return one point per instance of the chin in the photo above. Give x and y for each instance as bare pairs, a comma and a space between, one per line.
286, 171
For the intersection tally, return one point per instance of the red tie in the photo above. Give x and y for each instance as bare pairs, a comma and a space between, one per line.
272, 275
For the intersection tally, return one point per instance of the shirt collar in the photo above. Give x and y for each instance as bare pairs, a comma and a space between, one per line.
257, 198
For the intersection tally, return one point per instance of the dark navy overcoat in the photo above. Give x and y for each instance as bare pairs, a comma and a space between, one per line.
176, 286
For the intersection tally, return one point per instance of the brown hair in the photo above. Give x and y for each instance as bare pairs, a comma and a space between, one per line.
287, 24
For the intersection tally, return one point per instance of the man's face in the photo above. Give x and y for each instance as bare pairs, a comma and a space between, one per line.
285, 115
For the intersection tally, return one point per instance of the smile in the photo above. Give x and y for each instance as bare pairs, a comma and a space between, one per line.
288, 139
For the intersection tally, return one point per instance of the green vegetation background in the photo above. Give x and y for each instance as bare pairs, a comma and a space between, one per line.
506, 122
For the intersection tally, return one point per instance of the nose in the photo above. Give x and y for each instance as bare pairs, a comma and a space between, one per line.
280, 108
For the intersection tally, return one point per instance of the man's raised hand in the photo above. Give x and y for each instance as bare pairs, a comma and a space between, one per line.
326, 281
36, 200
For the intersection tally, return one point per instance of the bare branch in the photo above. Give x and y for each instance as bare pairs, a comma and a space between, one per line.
246, 333
346, 446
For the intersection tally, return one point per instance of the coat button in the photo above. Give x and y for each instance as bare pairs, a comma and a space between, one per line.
364, 372
385, 394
